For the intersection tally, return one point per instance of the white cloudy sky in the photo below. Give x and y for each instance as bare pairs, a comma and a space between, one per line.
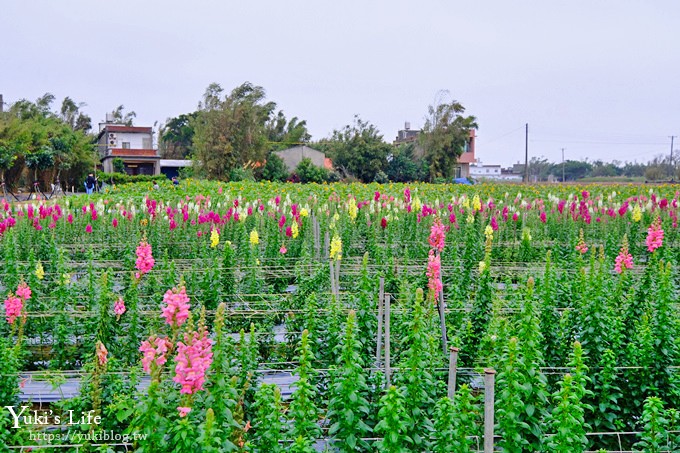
599, 78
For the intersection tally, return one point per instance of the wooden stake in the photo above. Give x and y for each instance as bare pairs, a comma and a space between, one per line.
453, 363
442, 321
387, 341
489, 396
381, 297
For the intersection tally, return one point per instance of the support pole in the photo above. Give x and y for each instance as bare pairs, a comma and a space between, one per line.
526, 154
489, 397
387, 341
381, 298
442, 322
453, 364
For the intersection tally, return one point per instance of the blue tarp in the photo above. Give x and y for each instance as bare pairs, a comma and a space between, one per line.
462, 181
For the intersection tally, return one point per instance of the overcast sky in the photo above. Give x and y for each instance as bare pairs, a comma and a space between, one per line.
599, 78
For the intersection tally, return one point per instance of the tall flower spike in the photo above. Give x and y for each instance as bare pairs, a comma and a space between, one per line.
336, 248
176, 310
13, 307
624, 260
145, 260
581, 247
434, 281
654, 235
194, 357
437, 235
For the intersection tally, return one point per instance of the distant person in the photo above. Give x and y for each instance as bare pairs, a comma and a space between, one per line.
175, 181
156, 186
90, 183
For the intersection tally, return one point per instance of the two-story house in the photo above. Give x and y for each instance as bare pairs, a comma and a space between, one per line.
462, 170
132, 144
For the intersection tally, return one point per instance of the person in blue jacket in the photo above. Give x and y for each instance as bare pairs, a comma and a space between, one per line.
90, 182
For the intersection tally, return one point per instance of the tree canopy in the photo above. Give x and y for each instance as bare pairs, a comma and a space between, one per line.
445, 135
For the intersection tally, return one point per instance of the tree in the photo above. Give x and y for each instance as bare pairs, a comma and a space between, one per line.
308, 172
39, 160
403, 166
177, 137
357, 150
70, 114
274, 169
539, 168
283, 133
230, 133
445, 135
120, 117
573, 169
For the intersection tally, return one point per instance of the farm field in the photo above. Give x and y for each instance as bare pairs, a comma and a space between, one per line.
266, 317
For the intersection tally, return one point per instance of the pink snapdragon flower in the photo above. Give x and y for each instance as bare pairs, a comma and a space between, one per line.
183, 411
23, 291
145, 261
176, 310
102, 353
582, 248
155, 352
13, 307
434, 266
624, 260
283, 250
654, 235
437, 235
194, 357
119, 307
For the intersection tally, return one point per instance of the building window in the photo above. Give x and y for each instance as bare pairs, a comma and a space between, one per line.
126, 145
146, 142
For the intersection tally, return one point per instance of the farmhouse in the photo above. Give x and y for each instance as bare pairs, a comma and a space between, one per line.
293, 156
132, 144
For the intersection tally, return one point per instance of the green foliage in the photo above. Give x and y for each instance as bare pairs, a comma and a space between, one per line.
118, 165
230, 132
415, 377
267, 425
403, 166
654, 436
274, 169
454, 423
445, 136
177, 137
357, 150
124, 178
306, 171
348, 406
568, 419
393, 424
303, 412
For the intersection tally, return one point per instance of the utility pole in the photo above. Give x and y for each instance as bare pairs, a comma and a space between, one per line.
563, 165
526, 154
672, 137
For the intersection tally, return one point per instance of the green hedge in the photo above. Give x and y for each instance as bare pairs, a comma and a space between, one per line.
123, 178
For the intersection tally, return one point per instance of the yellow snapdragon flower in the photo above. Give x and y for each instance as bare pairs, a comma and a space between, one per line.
336, 248
254, 238
214, 238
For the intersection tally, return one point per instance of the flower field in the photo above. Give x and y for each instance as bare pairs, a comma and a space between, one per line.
177, 311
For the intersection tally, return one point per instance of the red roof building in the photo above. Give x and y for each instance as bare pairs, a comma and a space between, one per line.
132, 144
